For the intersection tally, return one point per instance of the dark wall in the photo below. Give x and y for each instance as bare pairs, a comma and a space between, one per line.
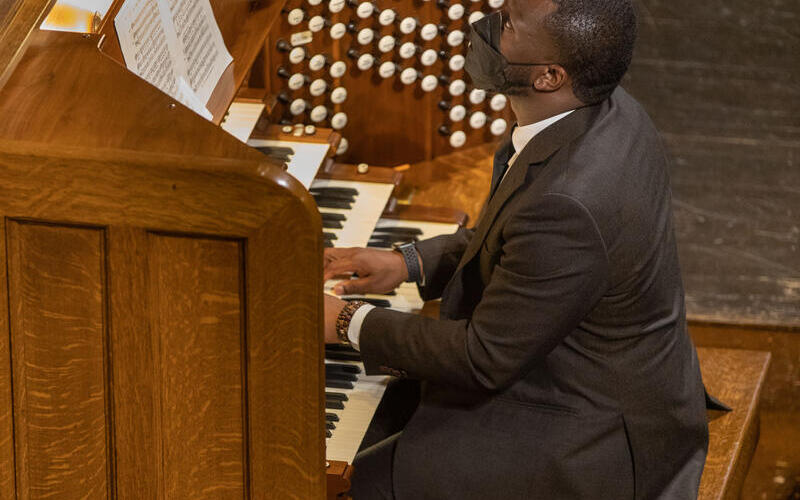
721, 80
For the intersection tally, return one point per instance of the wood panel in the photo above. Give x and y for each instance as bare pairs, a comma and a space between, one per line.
196, 302
8, 490
16, 19
735, 377
58, 334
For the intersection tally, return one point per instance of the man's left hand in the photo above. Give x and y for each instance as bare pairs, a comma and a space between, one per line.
333, 306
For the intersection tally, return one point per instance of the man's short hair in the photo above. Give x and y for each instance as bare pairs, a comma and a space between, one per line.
595, 40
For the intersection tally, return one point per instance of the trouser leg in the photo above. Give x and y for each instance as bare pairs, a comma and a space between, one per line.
372, 471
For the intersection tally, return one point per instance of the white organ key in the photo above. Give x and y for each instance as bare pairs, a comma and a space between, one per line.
364, 213
304, 162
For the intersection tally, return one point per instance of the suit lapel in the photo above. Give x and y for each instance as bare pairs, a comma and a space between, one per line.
533, 156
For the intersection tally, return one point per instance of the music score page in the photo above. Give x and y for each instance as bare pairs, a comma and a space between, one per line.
174, 45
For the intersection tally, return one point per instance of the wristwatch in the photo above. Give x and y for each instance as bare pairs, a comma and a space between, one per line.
409, 253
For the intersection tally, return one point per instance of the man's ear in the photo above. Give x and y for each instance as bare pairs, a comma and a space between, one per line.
551, 79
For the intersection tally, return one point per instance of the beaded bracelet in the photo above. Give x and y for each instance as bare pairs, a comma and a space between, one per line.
343, 320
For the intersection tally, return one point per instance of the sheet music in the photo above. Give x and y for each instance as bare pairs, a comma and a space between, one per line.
175, 45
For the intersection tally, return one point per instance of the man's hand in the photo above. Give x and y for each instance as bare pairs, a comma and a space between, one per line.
333, 306
378, 271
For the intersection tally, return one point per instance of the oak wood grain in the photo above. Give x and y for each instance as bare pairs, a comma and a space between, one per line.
736, 378
7, 466
58, 335
18, 19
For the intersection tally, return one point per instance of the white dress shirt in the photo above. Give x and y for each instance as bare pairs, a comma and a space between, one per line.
519, 138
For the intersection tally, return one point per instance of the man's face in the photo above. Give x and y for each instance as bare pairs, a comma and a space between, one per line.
525, 40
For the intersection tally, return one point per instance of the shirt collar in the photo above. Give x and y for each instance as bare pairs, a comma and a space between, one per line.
522, 135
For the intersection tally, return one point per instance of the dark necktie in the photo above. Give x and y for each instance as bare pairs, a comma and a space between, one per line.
500, 166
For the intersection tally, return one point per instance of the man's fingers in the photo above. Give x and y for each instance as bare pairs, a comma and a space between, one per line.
339, 268
350, 287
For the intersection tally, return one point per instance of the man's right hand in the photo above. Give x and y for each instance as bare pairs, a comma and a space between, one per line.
378, 271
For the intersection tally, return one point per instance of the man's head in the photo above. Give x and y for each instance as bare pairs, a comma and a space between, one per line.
587, 46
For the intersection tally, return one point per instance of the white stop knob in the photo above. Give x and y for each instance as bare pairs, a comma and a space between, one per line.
428, 32
428, 57
498, 126
456, 63
316, 23
496, 4
386, 69
297, 107
477, 96
338, 30
457, 113
407, 50
365, 62
475, 16
296, 81
338, 95
319, 113
457, 87
455, 38
429, 83
458, 139
317, 87
455, 12
386, 43
408, 25
343, 145
336, 5
387, 17
498, 102
295, 16
365, 36
408, 76
296, 55
364, 10
477, 119
316, 63
338, 69
339, 121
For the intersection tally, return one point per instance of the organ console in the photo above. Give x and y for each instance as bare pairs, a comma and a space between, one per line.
197, 256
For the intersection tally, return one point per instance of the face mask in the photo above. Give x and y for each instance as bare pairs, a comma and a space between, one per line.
485, 64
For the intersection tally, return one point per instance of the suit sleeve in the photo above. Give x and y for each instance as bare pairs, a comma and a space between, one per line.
440, 257
553, 270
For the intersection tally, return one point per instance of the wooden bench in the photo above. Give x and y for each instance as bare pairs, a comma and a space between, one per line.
734, 376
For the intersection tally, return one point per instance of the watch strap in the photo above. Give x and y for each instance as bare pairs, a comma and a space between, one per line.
409, 252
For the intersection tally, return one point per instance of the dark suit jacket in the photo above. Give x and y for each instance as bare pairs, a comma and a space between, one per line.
560, 366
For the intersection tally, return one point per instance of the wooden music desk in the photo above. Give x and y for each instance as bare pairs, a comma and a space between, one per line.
735, 376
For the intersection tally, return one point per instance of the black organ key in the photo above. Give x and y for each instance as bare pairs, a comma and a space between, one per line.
330, 216
327, 244
348, 377
330, 425
331, 417
328, 433
338, 384
379, 244
334, 404
398, 229
334, 196
328, 203
333, 367
331, 224
329, 236
342, 190
338, 396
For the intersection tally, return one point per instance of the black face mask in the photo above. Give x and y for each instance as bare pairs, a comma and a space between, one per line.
485, 63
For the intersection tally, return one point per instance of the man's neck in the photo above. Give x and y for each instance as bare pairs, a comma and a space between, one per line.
532, 109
